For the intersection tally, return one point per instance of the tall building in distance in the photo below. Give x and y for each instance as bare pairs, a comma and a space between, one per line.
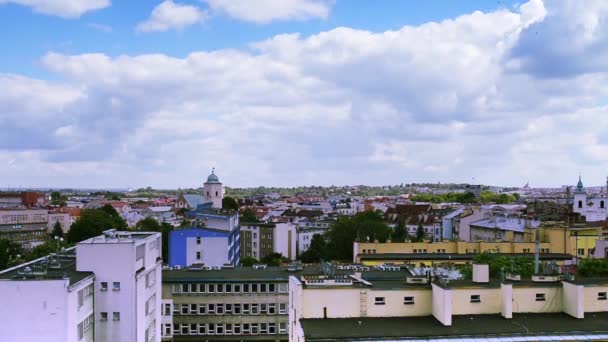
213, 190
107, 288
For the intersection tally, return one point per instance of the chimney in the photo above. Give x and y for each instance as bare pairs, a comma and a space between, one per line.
481, 273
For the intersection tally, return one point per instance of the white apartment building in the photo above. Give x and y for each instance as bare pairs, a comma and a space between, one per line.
107, 288
127, 269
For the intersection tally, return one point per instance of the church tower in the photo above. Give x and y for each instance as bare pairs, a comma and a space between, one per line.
580, 198
213, 190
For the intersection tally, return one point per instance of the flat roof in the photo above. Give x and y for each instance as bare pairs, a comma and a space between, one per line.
118, 237
471, 326
66, 269
237, 274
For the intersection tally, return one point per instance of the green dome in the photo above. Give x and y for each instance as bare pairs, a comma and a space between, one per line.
212, 178
579, 185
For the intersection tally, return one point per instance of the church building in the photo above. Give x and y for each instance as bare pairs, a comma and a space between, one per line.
592, 207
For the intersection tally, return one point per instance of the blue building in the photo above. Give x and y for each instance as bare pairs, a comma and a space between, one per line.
200, 245
213, 240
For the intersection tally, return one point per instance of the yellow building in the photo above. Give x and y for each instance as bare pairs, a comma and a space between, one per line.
557, 242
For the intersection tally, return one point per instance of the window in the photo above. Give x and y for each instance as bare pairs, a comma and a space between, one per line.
211, 308
272, 328
219, 329
475, 299
245, 309
540, 297
254, 309
580, 204
176, 288
272, 309
116, 316
104, 286
116, 286
198, 240
282, 328
228, 330
283, 288
167, 309
176, 329
379, 301
245, 288
176, 309
237, 329
228, 288
193, 329
581, 251
184, 329
201, 288
219, 309
263, 288
601, 296
185, 288
151, 304
228, 309
602, 204
80, 331
254, 288
408, 300
202, 309
211, 288
185, 309
198, 255
103, 316
237, 288
211, 329
167, 329
220, 288
236, 308
283, 309
202, 329
151, 279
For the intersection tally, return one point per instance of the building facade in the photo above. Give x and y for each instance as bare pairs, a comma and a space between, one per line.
234, 304
213, 191
199, 245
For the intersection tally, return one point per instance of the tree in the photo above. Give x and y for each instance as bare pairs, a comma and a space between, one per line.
10, 253
119, 222
400, 233
149, 224
317, 250
249, 261
229, 203
274, 259
420, 234
57, 230
498, 263
593, 267
248, 215
344, 232
93, 222
57, 199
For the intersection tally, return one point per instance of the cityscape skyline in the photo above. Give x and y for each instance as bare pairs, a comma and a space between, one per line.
118, 95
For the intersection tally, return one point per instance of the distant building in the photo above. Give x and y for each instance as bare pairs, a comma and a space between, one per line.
259, 240
199, 245
189, 201
213, 191
26, 226
107, 288
592, 207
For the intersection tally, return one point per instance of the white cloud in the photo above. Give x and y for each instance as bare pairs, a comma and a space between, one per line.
62, 8
265, 11
342, 106
169, 15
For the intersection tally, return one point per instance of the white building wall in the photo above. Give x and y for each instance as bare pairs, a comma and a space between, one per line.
285, 240
35, 311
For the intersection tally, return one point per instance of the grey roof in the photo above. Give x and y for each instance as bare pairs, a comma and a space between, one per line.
66, 269
463, 326
194, 200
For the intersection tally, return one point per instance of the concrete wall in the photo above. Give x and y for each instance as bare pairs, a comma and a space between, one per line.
573, 296
394, 306
442, 305
524, 299
339, 302
591, 303
294, 328
285, 240
461, 301
35, 311
506, 300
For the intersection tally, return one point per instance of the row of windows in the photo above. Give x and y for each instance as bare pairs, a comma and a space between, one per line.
115, 286
230, 288
224, 329
226, 309
103, 316
539, 297
406, 300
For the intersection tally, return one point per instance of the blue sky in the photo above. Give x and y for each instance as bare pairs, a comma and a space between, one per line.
101, 93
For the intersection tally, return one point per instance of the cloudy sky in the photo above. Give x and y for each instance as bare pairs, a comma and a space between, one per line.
100, 93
